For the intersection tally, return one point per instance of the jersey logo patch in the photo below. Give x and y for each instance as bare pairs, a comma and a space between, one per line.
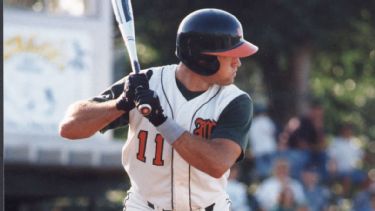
204, 127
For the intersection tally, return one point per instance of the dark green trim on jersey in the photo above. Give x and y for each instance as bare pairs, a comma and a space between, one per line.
165, 94
173, 150
187, 93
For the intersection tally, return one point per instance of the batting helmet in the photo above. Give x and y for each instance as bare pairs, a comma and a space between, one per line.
207, 33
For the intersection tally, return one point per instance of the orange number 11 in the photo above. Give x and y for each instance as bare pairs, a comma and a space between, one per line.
159, 143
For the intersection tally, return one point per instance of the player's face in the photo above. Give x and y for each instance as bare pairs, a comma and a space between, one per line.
227, 71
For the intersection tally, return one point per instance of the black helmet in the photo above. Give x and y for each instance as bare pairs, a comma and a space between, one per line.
207, 33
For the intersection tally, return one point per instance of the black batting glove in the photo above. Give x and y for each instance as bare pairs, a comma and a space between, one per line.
126, 100
147, 96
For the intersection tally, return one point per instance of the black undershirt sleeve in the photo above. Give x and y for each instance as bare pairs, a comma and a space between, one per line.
234, 122
111, 93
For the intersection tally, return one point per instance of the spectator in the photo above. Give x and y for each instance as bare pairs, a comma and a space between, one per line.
262, 141
268, 192
304, 135
287, 202
237, 191
345, 155
308, 130
365, 200
317, 196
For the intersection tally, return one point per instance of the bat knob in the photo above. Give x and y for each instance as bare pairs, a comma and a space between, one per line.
144, 109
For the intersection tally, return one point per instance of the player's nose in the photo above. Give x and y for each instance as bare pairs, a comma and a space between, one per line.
236, 62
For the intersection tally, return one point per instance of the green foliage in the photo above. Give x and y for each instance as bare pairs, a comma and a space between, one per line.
121, 133
344, 76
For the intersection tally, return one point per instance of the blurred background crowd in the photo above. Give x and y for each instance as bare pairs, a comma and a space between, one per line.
298, 166
312, 139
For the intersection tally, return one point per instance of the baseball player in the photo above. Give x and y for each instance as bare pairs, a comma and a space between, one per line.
178, 157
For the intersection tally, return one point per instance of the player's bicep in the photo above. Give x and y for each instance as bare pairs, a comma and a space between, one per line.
229, 150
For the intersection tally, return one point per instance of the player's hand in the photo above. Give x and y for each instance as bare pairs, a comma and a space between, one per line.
126, 100
147, 96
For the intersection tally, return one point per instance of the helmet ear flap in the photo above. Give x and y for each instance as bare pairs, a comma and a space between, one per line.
199, 63
209, 64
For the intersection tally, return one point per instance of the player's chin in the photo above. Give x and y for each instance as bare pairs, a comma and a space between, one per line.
229, 81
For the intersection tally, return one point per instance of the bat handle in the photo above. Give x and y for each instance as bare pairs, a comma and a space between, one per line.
136, 67
144, 109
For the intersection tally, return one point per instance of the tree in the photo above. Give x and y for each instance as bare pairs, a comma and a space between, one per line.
292, 34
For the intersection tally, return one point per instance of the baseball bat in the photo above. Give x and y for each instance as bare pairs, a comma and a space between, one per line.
124, 16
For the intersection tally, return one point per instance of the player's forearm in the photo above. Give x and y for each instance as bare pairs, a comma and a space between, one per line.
213, 157
84, 118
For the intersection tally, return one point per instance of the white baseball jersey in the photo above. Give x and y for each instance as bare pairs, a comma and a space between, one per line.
157, 172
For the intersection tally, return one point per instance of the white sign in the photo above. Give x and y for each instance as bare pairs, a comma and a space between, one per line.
44, 71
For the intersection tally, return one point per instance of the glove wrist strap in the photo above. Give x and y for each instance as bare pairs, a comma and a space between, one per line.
123, 105
170, 130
